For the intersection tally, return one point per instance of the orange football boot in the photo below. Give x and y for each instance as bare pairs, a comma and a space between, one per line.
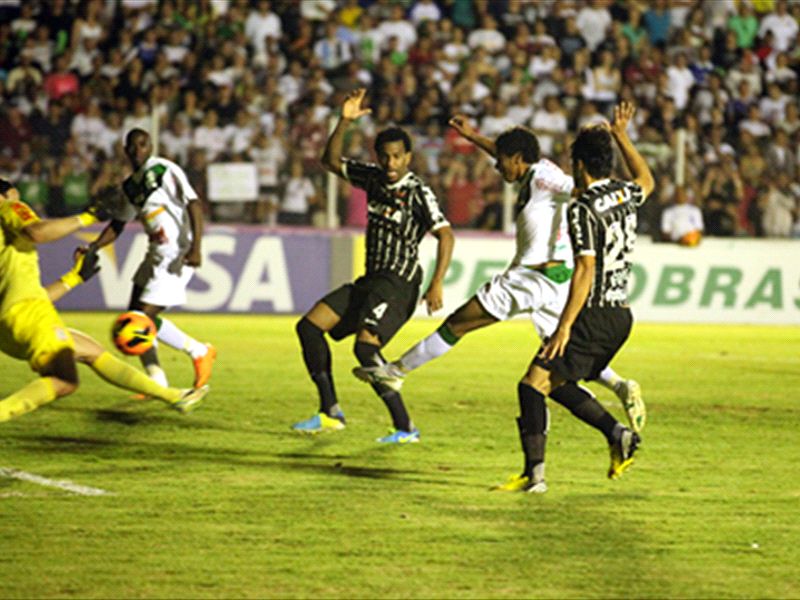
203, 365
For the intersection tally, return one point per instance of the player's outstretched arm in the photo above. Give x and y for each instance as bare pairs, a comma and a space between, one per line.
50, 230
637, 165
434, 295
84, 269
351, 110
462, 125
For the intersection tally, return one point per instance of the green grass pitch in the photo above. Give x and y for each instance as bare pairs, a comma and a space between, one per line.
227, 502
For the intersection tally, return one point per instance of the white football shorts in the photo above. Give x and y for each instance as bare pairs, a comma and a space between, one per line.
521, 290
163, 282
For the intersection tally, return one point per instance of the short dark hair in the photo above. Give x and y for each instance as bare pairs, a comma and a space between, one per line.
134, 133
594, 148
5, 186
518, 140
392, 134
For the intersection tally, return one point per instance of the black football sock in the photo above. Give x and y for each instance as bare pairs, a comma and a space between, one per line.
532, 424
369, 355
585, 406
317, 356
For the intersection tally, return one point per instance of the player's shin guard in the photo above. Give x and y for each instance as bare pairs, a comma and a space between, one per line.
317, 356
581, 403
29, 398
121, 374
533, 424
369, 355
435, 345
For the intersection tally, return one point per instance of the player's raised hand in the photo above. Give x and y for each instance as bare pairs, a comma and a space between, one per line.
462, 125
623, 113
352, 109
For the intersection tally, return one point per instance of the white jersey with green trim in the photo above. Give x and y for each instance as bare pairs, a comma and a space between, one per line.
542, 234
158, 195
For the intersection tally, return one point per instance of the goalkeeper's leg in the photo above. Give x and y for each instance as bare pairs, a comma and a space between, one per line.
89, 352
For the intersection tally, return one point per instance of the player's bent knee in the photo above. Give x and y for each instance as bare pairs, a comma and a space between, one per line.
63, 369
87, 349
368, 354
307, 330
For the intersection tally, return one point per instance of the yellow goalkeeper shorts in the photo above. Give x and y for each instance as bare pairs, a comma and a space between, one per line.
32, 330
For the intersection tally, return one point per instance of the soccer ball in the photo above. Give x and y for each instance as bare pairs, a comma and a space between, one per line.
133, 333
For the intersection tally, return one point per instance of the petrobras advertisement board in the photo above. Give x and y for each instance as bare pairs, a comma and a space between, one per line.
245, 269
720, 281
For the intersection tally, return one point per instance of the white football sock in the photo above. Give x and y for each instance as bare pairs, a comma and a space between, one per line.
609, 378
174, 337
425, 351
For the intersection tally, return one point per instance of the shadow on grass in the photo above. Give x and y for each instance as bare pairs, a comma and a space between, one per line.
162, 456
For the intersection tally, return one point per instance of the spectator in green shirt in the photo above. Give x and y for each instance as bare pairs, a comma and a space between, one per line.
745, 25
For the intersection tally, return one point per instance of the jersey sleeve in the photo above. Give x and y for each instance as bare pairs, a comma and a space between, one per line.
17, 215
432, 214
636, 193
551, 178
359, 173
182, 182
582, 229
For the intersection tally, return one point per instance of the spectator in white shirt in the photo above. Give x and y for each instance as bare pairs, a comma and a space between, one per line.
400, 28
780, 72
773, 105
497, 121
290, 84
370, 40
87, 128
298, 197
549, 123
316, 10
425, 10
240, 134
681, 80
260, 24
682, 222
593, 21
210, 138
779, 207
177, 140
747, 69
754, 124
520, 108
140, 118
487, 36
782, 25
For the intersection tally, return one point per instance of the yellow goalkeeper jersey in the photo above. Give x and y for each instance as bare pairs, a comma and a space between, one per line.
19, 261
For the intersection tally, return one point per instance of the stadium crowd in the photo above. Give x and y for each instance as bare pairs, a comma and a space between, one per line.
255, 80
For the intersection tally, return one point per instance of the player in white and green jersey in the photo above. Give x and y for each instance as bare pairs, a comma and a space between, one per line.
158, 194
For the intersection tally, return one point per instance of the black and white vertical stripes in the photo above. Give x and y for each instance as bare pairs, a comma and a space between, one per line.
399, 215
602, 222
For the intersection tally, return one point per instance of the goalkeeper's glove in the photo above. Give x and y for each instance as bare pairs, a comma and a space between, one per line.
85, 268
99, 209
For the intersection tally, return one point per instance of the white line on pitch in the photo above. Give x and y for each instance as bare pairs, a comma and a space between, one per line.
61, 484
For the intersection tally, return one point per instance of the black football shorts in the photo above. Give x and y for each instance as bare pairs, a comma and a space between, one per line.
596, 336
379, 302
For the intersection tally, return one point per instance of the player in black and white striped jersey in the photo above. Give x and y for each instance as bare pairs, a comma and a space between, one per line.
401, 210
596, 320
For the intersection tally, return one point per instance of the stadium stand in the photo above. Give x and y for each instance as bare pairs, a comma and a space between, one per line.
254, 81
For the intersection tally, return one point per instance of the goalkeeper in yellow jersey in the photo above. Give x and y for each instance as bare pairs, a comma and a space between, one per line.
31, 328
